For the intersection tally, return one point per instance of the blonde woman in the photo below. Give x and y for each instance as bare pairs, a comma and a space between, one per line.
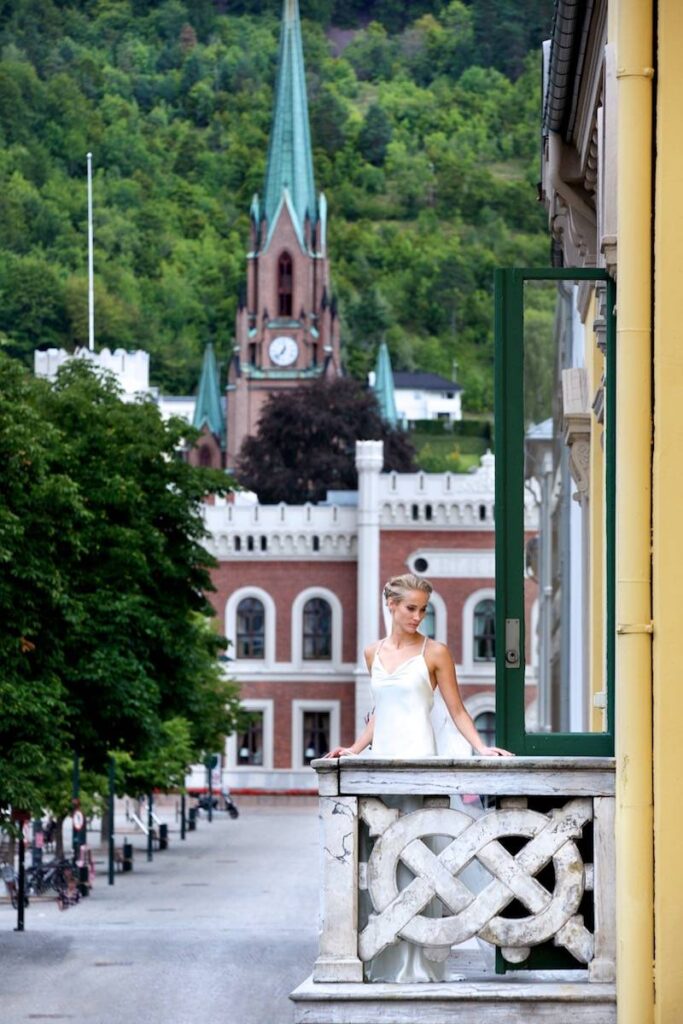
405, 670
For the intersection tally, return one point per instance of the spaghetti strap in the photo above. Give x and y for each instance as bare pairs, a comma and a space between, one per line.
378, 649
424, 646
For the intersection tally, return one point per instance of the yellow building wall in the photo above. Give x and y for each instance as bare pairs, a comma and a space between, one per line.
668, 518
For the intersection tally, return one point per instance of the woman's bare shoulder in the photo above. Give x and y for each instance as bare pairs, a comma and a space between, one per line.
437, 651
371, 650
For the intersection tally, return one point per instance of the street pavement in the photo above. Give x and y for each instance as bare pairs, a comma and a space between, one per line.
218, 929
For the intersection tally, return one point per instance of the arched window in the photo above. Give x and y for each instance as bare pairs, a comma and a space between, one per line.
486, 727
428, 627
205, 455
485, 631
251, 629
317, 633
285, 285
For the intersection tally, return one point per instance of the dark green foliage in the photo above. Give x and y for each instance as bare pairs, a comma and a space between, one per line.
375, 135
426, 143
305, 445
104, 630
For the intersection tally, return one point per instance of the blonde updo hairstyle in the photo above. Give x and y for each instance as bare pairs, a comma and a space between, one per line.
398, 587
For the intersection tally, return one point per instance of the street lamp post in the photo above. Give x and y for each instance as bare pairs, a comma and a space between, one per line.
112, 785
150, 824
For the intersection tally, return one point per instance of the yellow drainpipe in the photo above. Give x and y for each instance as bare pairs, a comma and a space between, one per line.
634, 824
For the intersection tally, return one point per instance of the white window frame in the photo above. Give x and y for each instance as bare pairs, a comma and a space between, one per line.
254, 704
298, 708
298, 661
268, 660
469, 665
480, 703
533, 660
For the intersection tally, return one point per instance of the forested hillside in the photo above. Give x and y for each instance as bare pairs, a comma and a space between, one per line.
425, 124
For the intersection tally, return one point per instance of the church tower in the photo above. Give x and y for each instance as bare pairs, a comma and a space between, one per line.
287, 331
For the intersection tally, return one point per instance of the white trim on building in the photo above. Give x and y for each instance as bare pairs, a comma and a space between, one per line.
486, 669
333, 664
242, 665
265, 706
298, 709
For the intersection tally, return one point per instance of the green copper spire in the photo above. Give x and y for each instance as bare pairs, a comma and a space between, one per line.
384, 386
290, 159
208, 410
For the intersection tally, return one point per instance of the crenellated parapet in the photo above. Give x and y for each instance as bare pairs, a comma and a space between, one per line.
253, 531
396, 501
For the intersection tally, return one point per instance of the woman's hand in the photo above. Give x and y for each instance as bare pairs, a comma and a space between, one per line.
341, 752
494, 752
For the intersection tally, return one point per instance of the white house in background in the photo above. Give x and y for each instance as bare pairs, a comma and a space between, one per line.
426, 396
131, 370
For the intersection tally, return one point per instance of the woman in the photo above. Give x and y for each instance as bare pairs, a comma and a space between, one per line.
405, 670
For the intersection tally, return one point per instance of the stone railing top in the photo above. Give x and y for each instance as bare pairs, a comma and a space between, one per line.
522, 776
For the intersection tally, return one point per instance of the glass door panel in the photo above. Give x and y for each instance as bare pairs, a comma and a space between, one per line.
555, 536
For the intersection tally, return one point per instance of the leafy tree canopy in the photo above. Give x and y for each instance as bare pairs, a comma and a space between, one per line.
104, 621
305, 444
425, 121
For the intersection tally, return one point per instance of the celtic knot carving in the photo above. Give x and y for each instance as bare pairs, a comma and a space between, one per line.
409, 838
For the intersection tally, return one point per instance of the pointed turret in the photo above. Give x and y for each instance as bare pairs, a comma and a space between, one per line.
384, 386
208, 411
290, 158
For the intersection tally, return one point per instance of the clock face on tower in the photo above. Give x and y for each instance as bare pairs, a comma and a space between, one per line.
283, 351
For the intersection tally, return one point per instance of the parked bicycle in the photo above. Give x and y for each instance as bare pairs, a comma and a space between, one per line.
69, 895
41, 878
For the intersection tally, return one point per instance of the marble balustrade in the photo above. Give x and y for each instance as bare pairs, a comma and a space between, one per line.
546, 844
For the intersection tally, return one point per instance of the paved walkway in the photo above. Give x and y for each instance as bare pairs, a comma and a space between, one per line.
217, 930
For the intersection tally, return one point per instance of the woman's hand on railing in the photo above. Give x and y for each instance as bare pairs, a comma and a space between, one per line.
493, 752
341, 752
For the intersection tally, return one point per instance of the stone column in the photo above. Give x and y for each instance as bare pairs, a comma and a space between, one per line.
369, 462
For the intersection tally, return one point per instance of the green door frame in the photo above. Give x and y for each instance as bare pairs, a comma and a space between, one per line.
509, 412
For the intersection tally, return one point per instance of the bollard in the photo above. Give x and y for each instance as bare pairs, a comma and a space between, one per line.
163, 836
83, 880
127, 857
192, 819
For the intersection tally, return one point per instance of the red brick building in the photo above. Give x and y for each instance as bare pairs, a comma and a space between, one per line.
298, 595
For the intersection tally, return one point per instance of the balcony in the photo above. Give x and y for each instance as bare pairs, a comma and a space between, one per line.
545, 852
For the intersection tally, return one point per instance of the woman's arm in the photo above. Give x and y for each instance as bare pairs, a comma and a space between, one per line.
363, 741
365, 738
442, 669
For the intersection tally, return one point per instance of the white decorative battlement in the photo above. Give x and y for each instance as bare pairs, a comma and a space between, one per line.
408, 501
253, 531
460, 501
131, 369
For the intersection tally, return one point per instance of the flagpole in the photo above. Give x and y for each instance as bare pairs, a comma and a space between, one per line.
91, 273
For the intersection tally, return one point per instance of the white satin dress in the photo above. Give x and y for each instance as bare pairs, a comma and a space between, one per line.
403, 702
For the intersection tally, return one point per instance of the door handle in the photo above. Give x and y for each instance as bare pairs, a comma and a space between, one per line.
512, 659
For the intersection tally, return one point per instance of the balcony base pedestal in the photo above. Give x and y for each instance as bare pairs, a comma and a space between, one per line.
508, 1000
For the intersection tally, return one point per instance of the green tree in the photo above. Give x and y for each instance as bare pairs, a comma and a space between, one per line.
104, 625
305, 443
375, 135
425, 127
